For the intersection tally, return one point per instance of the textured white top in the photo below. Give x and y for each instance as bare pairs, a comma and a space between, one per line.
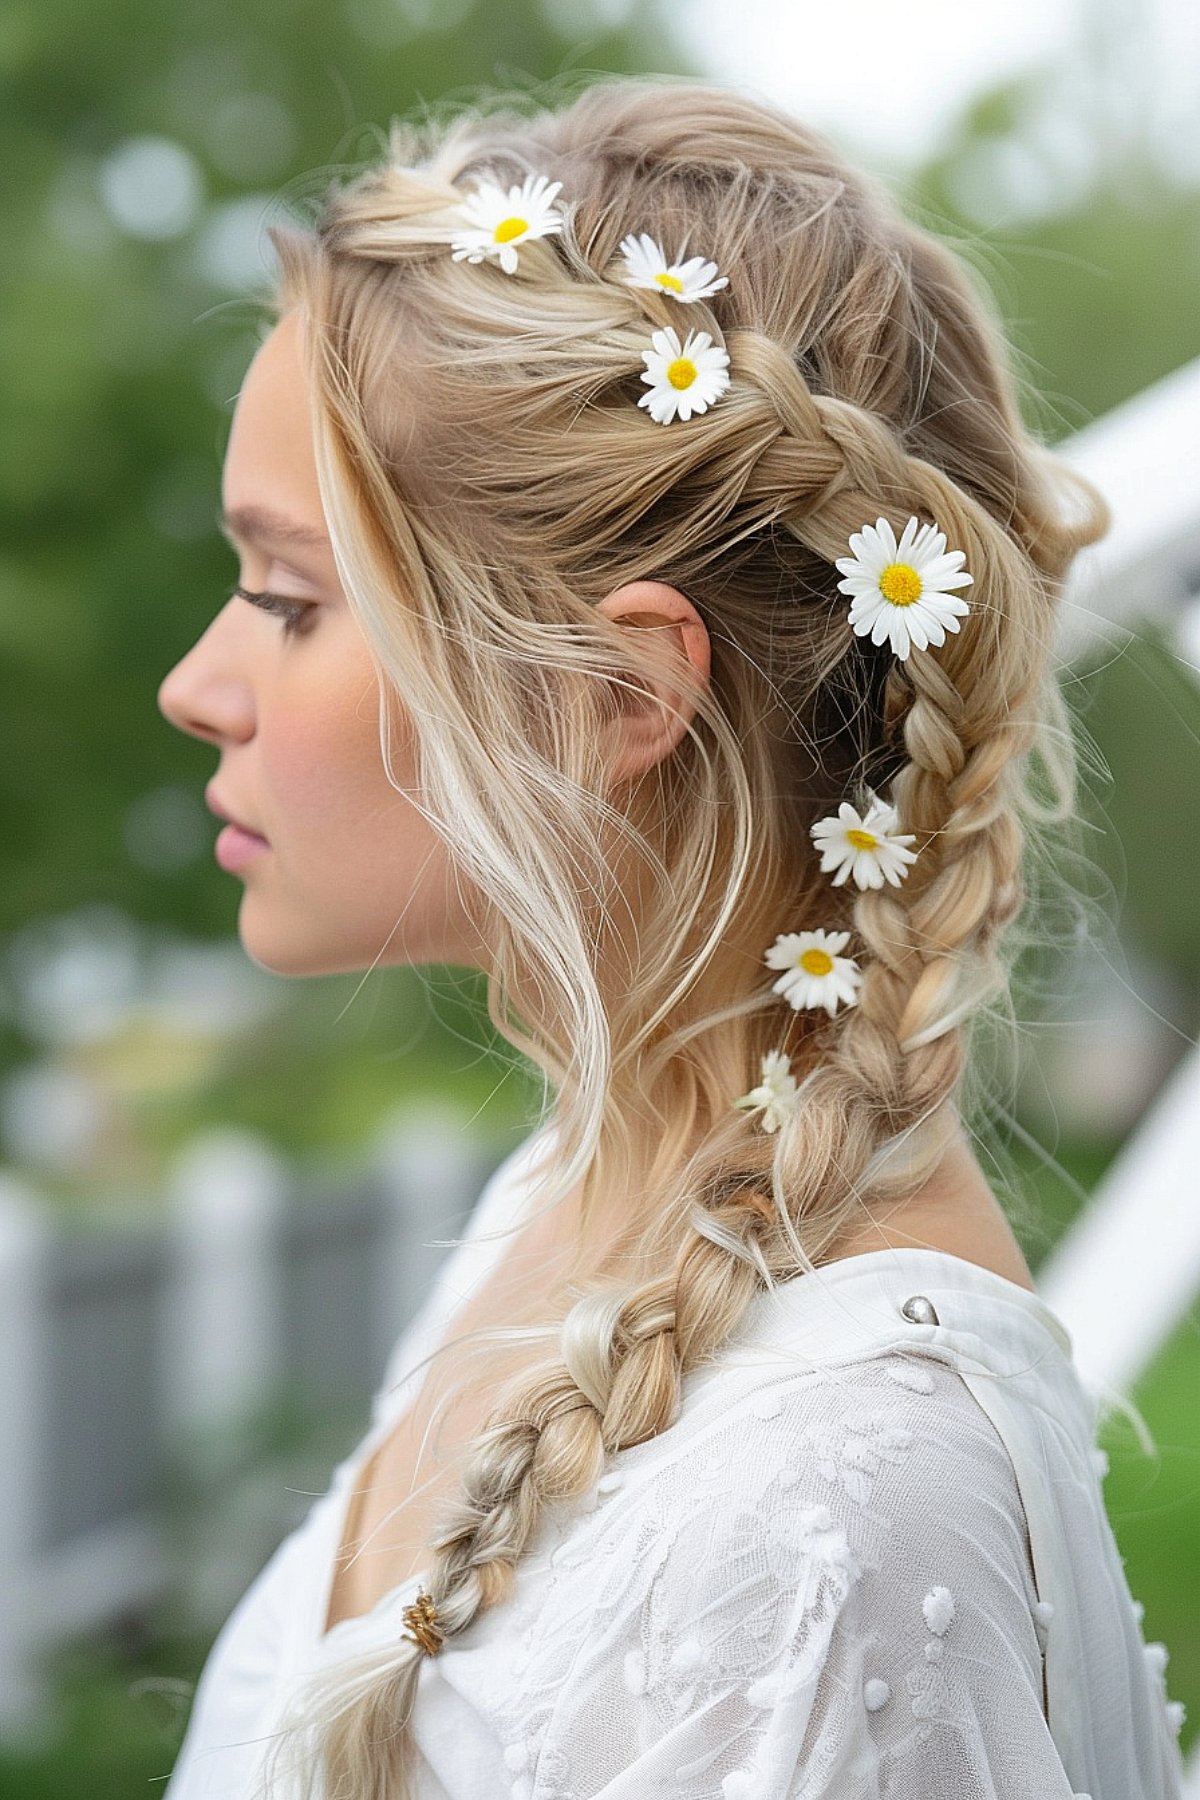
869, 1561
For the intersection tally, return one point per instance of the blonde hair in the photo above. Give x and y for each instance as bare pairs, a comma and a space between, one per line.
487, 478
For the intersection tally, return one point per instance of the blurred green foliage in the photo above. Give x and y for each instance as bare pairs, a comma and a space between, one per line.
1145, 712
122, 1703
1153, 1504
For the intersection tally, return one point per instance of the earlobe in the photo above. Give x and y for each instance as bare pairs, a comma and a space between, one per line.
676, 644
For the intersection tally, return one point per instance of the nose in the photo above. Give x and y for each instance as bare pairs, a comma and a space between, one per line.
205, 696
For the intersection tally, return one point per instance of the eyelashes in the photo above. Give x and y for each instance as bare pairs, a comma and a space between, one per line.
292, 612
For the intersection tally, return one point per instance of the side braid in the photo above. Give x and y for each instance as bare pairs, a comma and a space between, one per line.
831, 465
615, 1383
968, 717
963, 717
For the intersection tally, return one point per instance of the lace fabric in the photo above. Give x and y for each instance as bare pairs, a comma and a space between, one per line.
868, 1561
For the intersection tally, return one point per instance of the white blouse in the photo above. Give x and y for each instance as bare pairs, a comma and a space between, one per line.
869, 1561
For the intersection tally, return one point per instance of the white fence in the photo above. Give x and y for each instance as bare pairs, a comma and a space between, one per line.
141, 1347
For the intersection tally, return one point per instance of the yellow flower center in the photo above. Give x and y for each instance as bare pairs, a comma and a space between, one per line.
682, 372
862, 840
817, 962
508, 229
900, 584
670, 281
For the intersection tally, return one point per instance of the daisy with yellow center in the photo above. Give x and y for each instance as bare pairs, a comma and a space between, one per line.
775, 1094
497, 221
815, 971
902, 591
868, 846
683, 378
647, 267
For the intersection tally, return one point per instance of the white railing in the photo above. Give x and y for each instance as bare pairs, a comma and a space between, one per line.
1127, 1273
1144, 455
1129, 1269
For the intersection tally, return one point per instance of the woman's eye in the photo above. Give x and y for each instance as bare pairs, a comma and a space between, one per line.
292, 612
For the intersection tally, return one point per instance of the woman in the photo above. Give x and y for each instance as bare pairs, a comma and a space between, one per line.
668, 585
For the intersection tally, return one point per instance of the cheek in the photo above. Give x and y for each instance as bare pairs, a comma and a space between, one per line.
323, 761
315, 729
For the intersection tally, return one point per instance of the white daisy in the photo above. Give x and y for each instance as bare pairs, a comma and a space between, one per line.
816, 974
901, 591
684, 378
776, 1093
648, 267
869, 847
497, 222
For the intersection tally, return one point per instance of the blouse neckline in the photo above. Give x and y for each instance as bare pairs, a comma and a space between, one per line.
864, 1293
840, 1308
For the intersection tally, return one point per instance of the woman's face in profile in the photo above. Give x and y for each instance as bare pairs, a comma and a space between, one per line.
350, 872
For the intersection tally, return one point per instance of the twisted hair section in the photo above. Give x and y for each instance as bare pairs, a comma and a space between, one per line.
488, 478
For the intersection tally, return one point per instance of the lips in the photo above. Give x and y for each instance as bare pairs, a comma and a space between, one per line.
222, 812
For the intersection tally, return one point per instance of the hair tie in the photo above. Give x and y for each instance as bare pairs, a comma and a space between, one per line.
422, 1622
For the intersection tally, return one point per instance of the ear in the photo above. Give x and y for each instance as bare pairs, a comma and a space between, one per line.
651, 722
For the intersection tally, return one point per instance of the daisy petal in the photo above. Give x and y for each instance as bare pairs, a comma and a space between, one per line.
496, 222
683, 378
902, 593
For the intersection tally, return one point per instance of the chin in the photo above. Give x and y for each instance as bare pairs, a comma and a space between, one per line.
306, 941
296, 956
293, 954
295, 964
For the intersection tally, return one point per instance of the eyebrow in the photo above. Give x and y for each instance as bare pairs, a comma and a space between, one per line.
260, 525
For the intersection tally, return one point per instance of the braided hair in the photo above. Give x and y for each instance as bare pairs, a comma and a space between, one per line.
487, 479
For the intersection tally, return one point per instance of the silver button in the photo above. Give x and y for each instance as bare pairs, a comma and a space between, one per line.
920, 1310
